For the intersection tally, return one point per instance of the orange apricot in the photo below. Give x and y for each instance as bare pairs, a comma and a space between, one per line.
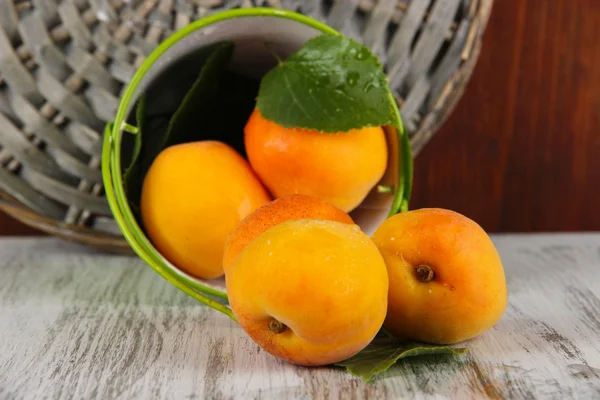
311, 292
447, 281
193, 195
339, 168
296, 206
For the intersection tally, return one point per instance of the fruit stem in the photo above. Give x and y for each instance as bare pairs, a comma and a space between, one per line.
424, 273
276, 326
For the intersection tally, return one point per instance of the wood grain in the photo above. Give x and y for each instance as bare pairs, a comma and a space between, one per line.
80, 324
520, 152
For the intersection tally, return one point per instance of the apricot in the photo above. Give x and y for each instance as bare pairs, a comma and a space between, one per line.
447, 281
193, 195
311, 292
296, 206
339, 168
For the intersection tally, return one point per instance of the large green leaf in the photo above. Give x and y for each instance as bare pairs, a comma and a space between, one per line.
173, 111
231, 110
184, 124
331, 84
382, 353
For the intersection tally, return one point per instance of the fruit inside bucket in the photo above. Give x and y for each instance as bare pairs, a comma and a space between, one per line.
164, 82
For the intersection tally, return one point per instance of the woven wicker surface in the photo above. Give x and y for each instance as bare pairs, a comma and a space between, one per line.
64, 65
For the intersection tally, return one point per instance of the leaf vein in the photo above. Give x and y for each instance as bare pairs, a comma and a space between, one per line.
294, 97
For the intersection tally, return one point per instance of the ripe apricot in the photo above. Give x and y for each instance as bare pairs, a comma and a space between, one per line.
447, 281
312, 292
296, 206
339, 168
193, 195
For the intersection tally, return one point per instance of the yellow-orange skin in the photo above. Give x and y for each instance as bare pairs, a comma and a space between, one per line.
193, 195
296, 206
468, 294
339, 168
325, 280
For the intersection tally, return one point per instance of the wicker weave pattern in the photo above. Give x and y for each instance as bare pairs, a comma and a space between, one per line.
64, 65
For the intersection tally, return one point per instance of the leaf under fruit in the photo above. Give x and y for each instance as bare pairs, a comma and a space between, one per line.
382, 353
332, 84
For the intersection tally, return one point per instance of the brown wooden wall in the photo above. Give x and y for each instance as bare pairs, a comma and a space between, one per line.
521, 152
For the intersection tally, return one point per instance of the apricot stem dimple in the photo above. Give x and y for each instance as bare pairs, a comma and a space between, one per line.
276, 326
424, 273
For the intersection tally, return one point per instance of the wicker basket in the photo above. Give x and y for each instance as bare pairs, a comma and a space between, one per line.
65, 63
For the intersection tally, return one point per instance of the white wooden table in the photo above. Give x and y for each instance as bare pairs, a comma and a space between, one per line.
76, 324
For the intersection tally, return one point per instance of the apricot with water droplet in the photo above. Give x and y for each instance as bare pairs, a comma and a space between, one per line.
447, 281
312, 292
292, 207
340, 168
193, 195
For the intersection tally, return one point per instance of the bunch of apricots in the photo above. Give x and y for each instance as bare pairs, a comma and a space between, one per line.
303, 280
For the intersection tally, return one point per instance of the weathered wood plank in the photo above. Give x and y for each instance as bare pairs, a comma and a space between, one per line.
80, 324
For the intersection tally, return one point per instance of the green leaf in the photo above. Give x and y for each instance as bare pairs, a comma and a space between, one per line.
184, 123
331, 84
178, 107
231, 109
169, 88
382, 353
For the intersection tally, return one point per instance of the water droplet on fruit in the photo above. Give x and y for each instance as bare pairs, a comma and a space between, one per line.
268, 242
271, 253
393, 238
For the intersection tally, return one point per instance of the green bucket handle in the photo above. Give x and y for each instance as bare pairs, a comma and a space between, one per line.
111, 163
